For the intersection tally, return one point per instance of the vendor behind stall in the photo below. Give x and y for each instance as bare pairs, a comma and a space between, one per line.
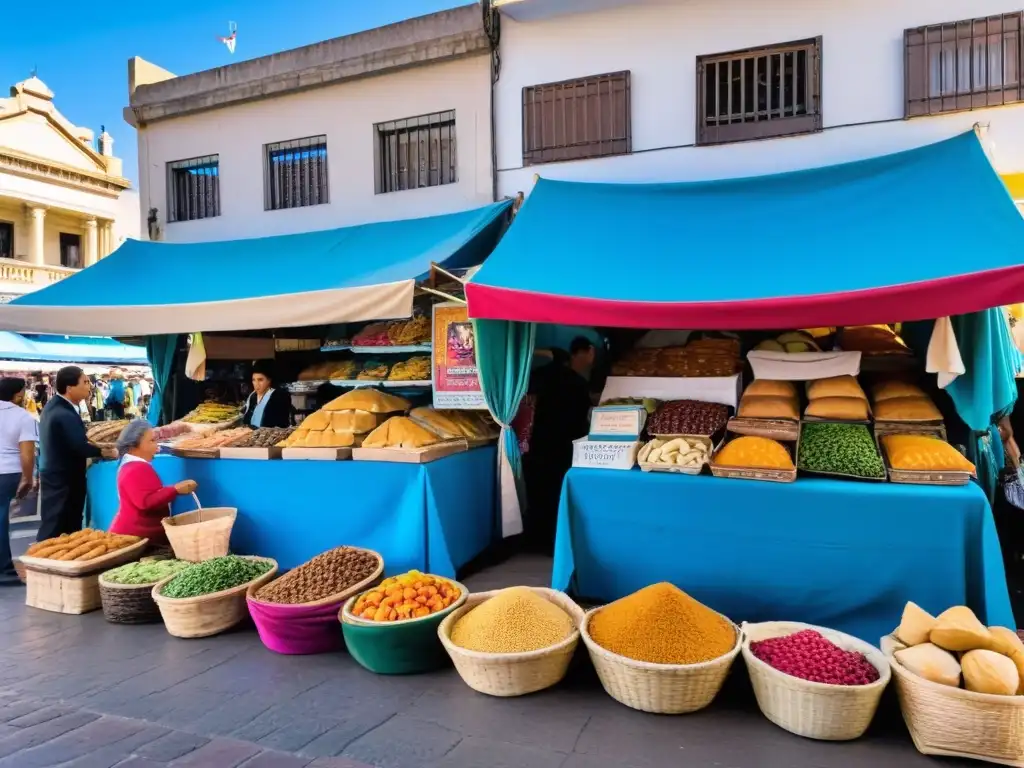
267, 406
143, 500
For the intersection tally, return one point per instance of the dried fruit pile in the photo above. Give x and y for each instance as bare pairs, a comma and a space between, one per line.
86, 544
412, 595
688, 417
810, 656
327, 574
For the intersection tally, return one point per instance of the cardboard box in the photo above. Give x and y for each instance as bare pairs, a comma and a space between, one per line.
604, 454
622, 423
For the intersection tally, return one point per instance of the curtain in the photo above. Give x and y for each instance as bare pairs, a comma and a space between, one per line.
504, 352
160, 351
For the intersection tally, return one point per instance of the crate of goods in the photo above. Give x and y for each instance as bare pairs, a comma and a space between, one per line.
209, 597
514, 641
659, 650
62, 574
768, 409
298, 612
684, 454
126, 592
812, 681
391, 629
932, 657
201, 534
923, 458
840, 450
749, 457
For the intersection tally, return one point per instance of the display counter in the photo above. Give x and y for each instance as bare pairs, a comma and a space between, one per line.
435, 516
840, 554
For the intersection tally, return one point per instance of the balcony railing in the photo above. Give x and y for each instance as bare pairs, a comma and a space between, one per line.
26, 273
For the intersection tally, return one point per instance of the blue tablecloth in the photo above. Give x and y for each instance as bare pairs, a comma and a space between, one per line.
435, 516
845, 555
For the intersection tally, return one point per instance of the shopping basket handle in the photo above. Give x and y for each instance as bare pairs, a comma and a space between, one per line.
196, 499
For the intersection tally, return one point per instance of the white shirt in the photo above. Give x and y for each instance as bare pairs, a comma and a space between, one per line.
16, 427
144, 388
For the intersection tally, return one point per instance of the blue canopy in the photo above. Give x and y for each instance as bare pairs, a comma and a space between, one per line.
68, 349
362, 272
914, 235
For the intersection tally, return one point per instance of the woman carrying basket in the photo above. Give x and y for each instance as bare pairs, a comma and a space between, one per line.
143, 499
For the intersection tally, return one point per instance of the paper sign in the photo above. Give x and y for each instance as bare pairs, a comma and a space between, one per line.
454, 374
604, 454
617, 422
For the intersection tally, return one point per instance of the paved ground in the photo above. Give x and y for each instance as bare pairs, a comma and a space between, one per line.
81, 693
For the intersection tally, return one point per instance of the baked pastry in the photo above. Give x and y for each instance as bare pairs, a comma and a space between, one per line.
356, 422
770, 388
368, 399
763, 407
921, 452
907, 409
838, 408
452, 424
836, 386
346, 370
755, 452
414, 369
400, 432
316, 422
373, 372
887, 390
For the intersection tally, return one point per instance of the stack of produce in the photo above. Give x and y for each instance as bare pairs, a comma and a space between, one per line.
412, 595
455, 424
214, 575
766, 399
170, 431
145, 572
342, 422
991, 660
679, 451
839, 449
750, 452
793, 342
839, 398
416, 330
221, 439
373, 370
86, 544
338, 370
105, 432
516, 620
872, 340
897, 400
924, 453
264, 437
703, 357
688, 417
661, 624
400, 432
810, 656
373, 335
414, 369
326, 574
212, 413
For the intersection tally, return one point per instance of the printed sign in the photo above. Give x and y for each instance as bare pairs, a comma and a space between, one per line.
617, 422
455, 376
604, 454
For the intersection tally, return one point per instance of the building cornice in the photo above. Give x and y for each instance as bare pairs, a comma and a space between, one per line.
51, 172
432, 39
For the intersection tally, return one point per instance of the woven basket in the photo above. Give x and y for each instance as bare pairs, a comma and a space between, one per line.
207, 614
512, 674
666, 689
952, 722
202, 534
128, 603
814, 710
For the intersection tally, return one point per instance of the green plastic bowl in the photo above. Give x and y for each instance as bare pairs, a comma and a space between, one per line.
407, 647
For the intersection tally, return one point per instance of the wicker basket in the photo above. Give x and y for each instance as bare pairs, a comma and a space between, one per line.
128, 603
952, 722
512, 674
202, 534
814, 710
207, 614
666, 689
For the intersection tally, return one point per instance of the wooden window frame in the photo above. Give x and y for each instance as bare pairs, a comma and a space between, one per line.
763, 125
614, 135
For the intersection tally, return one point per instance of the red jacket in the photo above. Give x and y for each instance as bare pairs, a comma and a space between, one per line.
144, 502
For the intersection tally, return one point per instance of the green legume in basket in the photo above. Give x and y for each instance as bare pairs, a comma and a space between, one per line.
147, 572
215, 575
844, 449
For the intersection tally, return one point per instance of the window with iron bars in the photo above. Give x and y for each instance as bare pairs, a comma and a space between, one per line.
577, 119
759, 93
295, 173
193, 188
416, 152
964, 65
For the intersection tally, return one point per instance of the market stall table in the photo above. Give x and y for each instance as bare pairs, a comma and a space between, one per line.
435, 516
839, 554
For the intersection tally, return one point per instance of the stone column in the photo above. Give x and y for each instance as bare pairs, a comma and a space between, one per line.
91, 242
111, 244
104, 240
36, 236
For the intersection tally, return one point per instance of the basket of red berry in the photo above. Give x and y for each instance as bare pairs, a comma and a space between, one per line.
812, 681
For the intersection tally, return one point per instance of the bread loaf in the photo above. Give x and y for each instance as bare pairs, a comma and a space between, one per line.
770, 388
358, 422
368, 399
763, 407
400, 432
836, 386
839, 408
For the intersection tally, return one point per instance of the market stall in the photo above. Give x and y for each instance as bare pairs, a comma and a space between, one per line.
870, 249
421, 494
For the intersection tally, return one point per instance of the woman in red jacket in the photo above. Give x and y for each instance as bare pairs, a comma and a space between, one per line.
143, 499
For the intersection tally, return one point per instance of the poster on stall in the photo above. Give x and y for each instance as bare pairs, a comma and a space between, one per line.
455, 378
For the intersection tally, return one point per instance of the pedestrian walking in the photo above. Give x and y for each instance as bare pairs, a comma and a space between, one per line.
19, 433
64, 450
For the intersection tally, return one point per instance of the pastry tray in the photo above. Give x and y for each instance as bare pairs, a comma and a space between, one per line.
675, 468
921, 476
757, 473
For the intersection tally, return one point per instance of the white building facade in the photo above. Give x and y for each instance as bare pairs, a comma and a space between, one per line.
392, 123
679, 90
64, 204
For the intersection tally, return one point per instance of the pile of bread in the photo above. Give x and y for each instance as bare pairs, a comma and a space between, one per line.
375, 419
955, 648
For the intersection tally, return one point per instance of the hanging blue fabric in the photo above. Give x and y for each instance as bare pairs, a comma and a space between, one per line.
504, 352
160, 351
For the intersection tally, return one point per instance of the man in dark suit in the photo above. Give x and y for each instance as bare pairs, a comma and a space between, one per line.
63, 452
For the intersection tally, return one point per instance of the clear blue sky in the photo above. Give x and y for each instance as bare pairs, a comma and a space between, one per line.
81, 50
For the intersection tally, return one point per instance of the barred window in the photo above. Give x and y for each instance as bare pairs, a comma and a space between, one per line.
577, 119
963, 65
193, 188
759, 93
295, 173
416, 152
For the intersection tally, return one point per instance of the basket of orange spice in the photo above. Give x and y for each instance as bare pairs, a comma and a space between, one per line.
391, 629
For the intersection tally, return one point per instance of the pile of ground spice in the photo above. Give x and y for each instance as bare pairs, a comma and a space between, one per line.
661, 624
515, 620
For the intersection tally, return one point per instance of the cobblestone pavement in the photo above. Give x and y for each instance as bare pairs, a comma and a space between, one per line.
81, 693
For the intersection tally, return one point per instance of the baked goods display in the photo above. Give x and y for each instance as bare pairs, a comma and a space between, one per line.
688, 417
415, 330
86, 544
679, 452
767, 399
373, 335
835, 386
754, 453
264, 437
893, 388
919, 408
924, 453
872, 340
221, 439
792, 342
702, 357
452, 424
839, 398
373, 371
414, 369
368, 399
212, 413
400, 432
106, 432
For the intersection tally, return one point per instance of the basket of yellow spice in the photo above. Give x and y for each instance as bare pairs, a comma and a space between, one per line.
513, 641
659, 650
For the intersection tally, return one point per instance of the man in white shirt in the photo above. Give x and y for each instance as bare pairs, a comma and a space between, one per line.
19, 433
